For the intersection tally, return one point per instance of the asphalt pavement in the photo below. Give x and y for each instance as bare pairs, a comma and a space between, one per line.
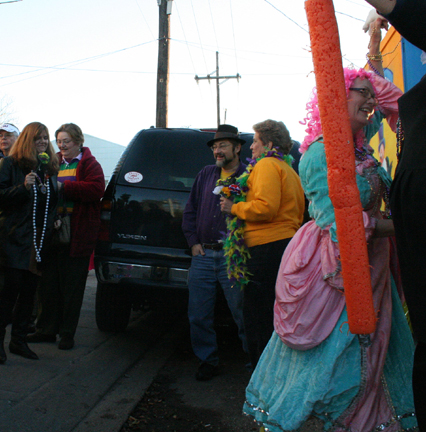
94, 386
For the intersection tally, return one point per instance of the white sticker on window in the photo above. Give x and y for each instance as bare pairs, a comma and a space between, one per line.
133, 177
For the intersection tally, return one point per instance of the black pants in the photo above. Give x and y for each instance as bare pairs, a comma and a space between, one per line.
61, 293
259, 295
17, 292
19, 285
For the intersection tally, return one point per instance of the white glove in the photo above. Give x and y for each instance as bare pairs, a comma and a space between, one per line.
372, 16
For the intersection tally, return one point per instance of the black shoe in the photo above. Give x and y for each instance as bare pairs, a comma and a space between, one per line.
66, 342
206, 372
21, 348
40, 337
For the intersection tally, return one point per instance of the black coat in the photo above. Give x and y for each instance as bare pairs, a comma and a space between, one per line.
408, 191
16, 215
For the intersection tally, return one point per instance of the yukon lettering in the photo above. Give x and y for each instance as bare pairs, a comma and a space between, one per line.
132, 236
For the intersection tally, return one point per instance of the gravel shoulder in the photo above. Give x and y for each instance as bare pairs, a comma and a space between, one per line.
175, 401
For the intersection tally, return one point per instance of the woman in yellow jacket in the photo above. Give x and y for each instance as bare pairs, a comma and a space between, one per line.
272, 212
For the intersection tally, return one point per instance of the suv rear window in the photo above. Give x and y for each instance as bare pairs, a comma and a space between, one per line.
170, 160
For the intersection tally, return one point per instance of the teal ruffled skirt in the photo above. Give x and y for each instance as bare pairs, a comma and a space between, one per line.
288, 385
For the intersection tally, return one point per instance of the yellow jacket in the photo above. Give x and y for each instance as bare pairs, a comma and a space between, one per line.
274, 204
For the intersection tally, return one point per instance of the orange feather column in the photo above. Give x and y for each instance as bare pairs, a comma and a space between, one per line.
339, 150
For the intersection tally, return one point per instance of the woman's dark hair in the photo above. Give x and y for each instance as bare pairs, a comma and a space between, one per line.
275, 132
24, 152
73, 131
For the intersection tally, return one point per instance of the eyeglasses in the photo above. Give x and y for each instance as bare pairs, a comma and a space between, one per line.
221, 146
60, 142
364, 92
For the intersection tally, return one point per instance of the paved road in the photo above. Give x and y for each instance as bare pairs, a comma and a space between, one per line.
92, 387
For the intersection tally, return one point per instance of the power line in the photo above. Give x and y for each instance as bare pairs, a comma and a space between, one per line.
146, 22
184, 35
360, 4
350, 16
198, 32
74, 62
233, 34
186, 43
210, 47
292, 20
214, 27
63, 66
307, 31
57, 68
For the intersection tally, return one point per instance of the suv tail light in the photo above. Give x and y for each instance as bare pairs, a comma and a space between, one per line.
106, 206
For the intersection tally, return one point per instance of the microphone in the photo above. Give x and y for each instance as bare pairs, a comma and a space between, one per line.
43, 159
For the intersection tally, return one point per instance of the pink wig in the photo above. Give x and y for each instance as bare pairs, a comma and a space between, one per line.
312, 119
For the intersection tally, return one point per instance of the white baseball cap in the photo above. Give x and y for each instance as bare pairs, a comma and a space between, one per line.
9, 127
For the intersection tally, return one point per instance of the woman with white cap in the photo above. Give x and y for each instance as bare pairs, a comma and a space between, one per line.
8, 135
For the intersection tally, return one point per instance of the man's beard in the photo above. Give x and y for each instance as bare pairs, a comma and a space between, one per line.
222, 163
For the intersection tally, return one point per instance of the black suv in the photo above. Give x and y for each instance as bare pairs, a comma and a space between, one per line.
141, 254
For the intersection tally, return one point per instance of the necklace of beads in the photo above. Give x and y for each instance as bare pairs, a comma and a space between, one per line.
399, 138
42, 186
43, 231
235, 250
362, 155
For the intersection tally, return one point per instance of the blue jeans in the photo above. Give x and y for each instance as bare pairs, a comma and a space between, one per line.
204, 274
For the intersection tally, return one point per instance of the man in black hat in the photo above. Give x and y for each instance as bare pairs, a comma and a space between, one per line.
204, 227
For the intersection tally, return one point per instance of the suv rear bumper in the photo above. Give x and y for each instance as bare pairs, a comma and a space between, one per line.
109, 271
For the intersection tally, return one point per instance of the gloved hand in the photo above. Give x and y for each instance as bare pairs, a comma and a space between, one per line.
373, 16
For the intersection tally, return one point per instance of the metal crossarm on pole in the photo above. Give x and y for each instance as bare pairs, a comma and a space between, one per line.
217, 77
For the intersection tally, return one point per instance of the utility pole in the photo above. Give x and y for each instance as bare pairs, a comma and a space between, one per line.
217, 77
165, 10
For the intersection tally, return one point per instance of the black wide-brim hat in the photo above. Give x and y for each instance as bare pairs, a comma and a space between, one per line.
225, 131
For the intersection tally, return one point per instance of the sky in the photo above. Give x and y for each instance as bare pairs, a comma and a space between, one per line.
94, 62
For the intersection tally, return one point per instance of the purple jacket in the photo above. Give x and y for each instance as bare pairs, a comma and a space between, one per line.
203, 221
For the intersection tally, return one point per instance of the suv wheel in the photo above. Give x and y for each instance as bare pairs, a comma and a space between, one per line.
113, 307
